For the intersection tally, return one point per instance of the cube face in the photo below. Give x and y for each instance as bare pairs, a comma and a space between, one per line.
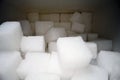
9, 61
44, 76
54, 33
33, 43
91, 73
42, 27
52, 47
35, 62
77, 27
115, 75
71, 52
26, 28
10, 36
54, 64
108, 60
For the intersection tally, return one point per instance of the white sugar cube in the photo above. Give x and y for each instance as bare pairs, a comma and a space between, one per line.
108, 60
54, 33
34, 63
52, 47
42, 27
33, 43
91, 73
10, 36
9, 60
73, 53
54, 64
77, 27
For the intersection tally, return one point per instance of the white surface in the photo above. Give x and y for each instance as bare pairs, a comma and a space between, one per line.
9, 76
76, 17
66, 25
22, 70
54, 33
32, 44
103, 44
10, 36
26, 28
109, 60
9, 61
34, 63
43, 76
91, 73
115, 75
73, 53
54, 64
92, 36
77, 27
52, 47
42, 27
32, 17
93, 47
